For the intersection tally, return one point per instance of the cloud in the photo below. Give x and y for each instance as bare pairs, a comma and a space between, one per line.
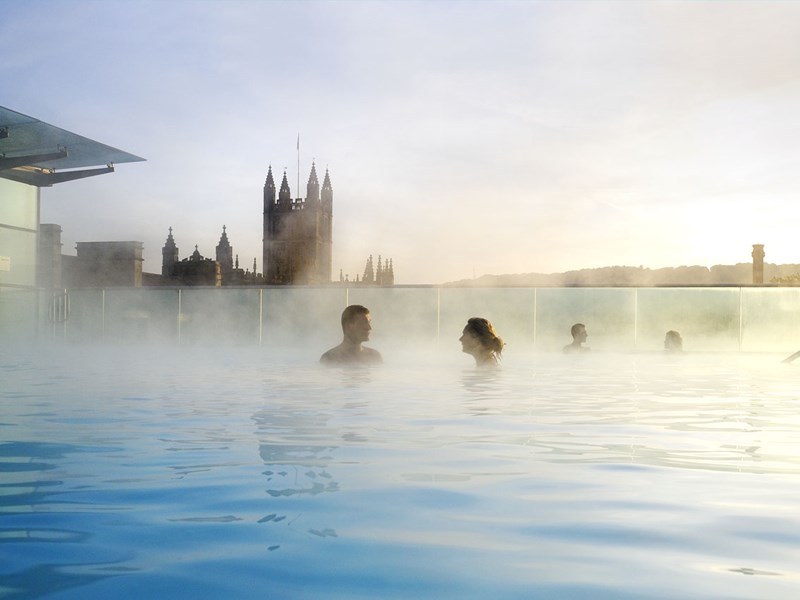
501, 137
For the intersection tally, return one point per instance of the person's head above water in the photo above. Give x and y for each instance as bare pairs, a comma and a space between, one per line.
356, 322
356, 328
579, 335
578, 332
673, 342
480, 340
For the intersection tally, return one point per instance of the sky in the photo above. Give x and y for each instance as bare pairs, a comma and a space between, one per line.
462, 138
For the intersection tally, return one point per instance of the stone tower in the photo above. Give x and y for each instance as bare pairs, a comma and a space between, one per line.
225, 256
758, 264
169, 255
298, 234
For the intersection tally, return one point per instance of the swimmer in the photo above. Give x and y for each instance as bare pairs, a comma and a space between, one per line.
673, 342
356, 327
579, 336
480, 340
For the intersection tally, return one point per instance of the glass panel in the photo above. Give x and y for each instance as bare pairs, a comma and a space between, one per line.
84, 322
510, 310
771, 320
306, 317
405, 318
17, 257
219, 316
706, 318
18, 204
141, 315
18, 315
19, 207
609, 316
402, 318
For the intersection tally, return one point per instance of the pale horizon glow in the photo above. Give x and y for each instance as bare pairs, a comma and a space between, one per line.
462, 138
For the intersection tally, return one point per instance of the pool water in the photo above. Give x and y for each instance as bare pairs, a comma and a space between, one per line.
238, 473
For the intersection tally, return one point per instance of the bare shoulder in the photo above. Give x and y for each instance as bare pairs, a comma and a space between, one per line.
333, 356
342, 355
371, 355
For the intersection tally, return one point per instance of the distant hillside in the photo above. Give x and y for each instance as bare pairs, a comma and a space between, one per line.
739, 274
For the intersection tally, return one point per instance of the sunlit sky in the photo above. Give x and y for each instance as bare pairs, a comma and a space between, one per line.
462, 138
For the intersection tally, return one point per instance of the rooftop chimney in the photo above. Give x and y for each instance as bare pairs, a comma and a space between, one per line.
758, 264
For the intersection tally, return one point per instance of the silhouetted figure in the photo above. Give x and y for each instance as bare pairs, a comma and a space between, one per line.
356, 327
673, 342
480, 340
579, 336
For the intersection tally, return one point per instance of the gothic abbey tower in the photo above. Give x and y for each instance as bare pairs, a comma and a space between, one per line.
298, 234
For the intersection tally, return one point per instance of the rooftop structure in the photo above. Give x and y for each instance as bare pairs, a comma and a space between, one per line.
35, 154
40, 154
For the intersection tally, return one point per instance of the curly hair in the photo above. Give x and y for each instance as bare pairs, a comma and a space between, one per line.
483, 330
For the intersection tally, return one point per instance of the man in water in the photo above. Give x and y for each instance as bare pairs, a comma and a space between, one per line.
356, 327
673, 342
579, 336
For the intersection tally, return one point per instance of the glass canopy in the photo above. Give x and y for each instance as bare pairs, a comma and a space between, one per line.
31, 151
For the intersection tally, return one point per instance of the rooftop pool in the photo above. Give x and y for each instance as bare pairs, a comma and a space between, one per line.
240, 473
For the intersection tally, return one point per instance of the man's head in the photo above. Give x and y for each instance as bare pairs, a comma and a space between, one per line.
356, 323
578, 332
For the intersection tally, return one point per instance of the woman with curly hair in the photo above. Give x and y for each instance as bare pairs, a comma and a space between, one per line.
480, 340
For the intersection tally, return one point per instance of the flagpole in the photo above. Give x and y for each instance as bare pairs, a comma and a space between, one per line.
299, 195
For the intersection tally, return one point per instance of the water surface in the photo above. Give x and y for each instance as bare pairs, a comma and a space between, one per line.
186, 473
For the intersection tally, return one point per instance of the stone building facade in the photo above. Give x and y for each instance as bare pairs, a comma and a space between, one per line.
108, 264
199, 270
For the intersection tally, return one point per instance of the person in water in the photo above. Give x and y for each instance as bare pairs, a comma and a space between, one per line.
579, 336
673, 342
356, 327
480, 340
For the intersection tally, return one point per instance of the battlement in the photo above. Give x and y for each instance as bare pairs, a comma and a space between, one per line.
291, 205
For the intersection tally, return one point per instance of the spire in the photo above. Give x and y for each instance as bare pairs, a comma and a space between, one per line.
169, 255
170, 240
196, 254
270, 180
285, 195
326, 183
224, 253
237, 261
269, 192
369, 273
327, 192
379, 272
312, 189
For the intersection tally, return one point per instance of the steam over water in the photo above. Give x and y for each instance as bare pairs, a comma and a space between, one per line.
238, 473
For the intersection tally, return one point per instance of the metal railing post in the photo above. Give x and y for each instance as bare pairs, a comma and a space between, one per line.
438, 315
180, 316
741, 318
260, 316
635, 318
535, 313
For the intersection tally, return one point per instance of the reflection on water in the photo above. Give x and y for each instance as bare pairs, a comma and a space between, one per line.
31, 486
294, 468
608, 477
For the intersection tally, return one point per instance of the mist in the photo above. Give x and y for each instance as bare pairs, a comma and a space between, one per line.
412, 322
